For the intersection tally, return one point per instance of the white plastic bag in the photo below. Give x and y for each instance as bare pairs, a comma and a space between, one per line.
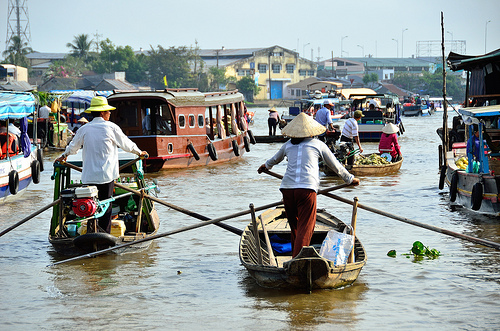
337, 246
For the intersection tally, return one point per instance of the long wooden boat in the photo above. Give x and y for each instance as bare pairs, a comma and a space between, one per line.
308, 270
20, 163
182, 128
133, 218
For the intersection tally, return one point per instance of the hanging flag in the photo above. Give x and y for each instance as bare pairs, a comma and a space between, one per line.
165, 80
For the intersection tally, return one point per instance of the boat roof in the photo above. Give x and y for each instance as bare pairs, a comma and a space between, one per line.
468, 62
348, 92
480, 111
16, 105
182, 97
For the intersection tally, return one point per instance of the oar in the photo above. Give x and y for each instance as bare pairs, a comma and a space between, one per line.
353, 226
480, 241
186, 228
24, 220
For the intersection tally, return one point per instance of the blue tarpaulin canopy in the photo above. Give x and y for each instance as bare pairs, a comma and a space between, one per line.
16, 105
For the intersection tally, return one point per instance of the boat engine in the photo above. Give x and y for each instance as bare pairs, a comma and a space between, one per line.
82, 200
343, 150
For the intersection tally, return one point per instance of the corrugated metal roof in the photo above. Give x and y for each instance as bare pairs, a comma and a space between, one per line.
390, 62
47, 56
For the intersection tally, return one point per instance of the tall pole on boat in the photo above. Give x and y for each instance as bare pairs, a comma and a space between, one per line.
445, 111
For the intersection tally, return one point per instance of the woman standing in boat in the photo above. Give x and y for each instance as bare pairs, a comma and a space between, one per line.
389, 142
273, 121
100, 140
301, 180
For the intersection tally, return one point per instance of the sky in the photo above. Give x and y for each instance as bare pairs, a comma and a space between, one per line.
357, 28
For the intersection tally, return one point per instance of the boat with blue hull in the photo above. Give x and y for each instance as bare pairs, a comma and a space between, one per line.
20, 161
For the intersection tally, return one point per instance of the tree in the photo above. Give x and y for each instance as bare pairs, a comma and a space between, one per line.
217, 78
172, 63
81, 46
69, 67
370, 78
246, 85
16, 52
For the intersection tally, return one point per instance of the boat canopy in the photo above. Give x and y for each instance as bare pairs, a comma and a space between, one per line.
468, 62
357, 93
487, 111
16, 105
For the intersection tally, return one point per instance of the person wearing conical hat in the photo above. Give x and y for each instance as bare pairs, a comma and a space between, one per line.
100, 140
389, 142
272, 121
301, 180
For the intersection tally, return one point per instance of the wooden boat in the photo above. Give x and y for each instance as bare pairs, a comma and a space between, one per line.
271, 139
20, 160
182, 128
133, 218
475, 186
370, 128
308, 270
376, 169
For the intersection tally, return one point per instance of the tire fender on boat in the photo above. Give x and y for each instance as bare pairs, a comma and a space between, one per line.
246, 141
13, 182
35, 171
39, 157
454, 186
236, 148
476, 196
86, 241
252, 138
212, 152
442, 177
193, 151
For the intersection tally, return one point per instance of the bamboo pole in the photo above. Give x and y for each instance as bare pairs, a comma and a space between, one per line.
353, 226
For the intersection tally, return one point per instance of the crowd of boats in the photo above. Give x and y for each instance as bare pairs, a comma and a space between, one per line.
182, 128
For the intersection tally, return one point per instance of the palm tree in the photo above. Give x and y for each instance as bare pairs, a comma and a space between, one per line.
80, 46
16, 51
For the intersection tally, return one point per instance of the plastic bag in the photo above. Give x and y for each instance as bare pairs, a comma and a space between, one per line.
337, 246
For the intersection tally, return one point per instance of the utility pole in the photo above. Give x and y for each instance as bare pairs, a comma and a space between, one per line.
18, 23
96, 36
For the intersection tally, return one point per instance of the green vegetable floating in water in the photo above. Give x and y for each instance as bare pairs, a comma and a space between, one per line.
419, 251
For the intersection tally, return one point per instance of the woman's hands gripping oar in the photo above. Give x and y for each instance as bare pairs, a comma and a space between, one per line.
480, 241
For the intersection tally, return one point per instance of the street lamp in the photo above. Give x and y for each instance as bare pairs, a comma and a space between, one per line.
402, 49
451, 35
397, 47
304, 49
341, 45
363, 50
485, 33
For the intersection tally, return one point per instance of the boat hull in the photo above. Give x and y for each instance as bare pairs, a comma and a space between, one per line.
308, 270
20, 164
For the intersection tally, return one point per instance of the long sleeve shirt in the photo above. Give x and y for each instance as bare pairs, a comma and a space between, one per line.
302, 170
100, 140
323, 117
389, 143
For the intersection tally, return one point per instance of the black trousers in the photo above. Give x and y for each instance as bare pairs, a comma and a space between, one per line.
105, 191
350, 160
272, 123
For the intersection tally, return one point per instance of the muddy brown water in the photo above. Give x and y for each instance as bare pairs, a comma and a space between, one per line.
194, 279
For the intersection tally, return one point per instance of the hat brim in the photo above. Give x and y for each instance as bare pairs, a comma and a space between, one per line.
303, 126
390, 129
99, 108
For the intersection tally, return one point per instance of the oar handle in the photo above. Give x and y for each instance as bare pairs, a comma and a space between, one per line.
333, 188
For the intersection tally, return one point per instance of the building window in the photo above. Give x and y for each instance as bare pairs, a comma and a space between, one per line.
302, 72
243, 72
277, 54
290, 68
292, 92
304, 92
276, 68
310, 72
262, 68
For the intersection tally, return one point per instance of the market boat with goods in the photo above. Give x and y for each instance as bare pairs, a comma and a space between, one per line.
134, 216
388, 110
473, 176
20, 160
265, 251
417, 106
182, 128
371, 165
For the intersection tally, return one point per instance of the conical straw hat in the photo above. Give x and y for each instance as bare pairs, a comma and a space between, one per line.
390, 128
303, 126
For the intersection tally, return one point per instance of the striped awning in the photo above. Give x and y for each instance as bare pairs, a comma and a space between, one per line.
16, 105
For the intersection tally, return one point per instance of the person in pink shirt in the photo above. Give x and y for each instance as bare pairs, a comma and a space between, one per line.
389, 142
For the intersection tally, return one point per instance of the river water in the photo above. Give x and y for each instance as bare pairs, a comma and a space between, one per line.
194, 279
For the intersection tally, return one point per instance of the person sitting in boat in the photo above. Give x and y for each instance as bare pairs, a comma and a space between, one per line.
389, 142
162, 127
350, 133
100, 139
273, 121
301, 180
324, 117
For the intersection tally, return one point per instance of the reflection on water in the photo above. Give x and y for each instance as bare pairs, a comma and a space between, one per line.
458, 290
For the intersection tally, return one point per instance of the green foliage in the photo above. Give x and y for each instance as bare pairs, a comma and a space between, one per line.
246, 85
171, 62
431, 84
419, 251
69, 67
16, 52
81, 46
370, 78
217, 77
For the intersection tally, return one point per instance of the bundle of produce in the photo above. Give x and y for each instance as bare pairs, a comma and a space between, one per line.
462, 163
373, 159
